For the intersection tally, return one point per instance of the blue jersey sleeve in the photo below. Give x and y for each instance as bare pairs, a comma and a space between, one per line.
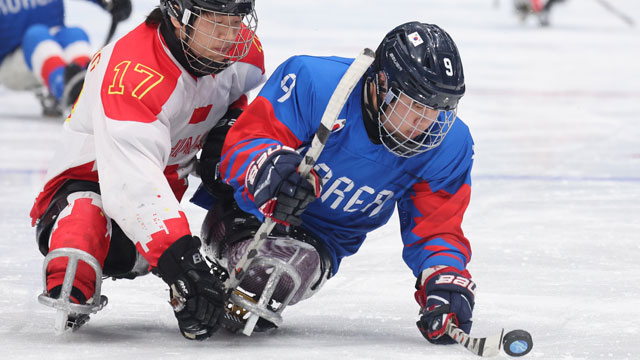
431, 215
283, 114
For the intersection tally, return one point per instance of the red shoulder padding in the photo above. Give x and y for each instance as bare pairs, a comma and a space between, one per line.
259, 121
140, 77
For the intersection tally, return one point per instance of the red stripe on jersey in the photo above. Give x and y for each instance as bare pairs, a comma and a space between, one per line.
463, 261
51, 64
140, 77
178, 186
253, 124
241, 158
436, 248
200, 114
442, 215
82, 172
174, 229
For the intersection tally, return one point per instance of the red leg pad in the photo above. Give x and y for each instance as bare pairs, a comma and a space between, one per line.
84, 227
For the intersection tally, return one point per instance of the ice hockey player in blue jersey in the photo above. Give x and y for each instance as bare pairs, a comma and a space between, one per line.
37, 49
397, 144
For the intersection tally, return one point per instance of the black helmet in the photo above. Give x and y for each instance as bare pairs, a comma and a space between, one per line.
422, 62
176, 8
205, 57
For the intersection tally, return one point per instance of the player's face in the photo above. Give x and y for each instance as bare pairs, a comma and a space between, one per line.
213, 35
405, 118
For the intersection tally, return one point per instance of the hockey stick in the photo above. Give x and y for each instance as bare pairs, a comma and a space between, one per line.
515, 342
339, 97
112, 30
622, 16
108, 6
487, 346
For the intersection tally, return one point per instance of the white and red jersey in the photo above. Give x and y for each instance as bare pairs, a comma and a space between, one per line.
136, 128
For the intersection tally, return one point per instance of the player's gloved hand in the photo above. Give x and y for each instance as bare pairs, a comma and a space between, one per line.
119, 9
278, 190
211, 153
197, 296
446, 295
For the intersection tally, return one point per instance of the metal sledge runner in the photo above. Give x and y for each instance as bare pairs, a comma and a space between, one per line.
71, 316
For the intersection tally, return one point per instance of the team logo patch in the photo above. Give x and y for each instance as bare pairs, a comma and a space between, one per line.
338, 125
415, 38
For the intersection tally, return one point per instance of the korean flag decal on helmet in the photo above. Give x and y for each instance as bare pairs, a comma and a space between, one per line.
415, 38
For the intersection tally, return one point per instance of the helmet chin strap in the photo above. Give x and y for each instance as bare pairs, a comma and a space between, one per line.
202, 65
370, 111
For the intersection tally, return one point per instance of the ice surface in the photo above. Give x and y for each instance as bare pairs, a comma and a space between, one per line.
554, 219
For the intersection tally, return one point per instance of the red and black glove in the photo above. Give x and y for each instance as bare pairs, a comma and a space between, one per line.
278, 190
196, 295
446, 295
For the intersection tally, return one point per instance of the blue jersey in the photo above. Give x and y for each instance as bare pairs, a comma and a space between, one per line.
17, 16
362, 182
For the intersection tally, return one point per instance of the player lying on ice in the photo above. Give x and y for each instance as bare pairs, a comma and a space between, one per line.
111, 202
397, 143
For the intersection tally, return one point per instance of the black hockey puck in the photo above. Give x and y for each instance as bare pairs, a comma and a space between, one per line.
517, 343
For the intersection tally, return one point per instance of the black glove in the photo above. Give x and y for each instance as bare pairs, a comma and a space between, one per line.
197, 296
119, 9
278, 190
211, 154
447, 295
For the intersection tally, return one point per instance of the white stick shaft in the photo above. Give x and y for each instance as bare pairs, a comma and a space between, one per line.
485, 347
344, 88
339, 97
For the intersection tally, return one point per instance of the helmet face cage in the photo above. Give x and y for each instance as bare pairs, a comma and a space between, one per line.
419, 80
213, 41
409, 127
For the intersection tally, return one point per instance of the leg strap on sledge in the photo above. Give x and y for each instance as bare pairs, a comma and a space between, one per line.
261, 309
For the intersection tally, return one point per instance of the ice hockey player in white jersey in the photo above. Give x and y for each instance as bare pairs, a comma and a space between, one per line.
110, 205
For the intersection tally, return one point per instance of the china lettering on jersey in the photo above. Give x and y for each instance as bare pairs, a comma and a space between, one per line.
345, 193
188, 145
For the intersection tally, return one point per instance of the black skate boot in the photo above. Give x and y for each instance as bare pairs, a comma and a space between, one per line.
50, 105
73, 82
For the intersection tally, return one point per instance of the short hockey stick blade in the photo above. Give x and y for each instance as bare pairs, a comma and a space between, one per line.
485, 347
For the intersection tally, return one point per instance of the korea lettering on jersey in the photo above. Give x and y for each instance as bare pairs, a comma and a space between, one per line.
362, 181
136, 128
